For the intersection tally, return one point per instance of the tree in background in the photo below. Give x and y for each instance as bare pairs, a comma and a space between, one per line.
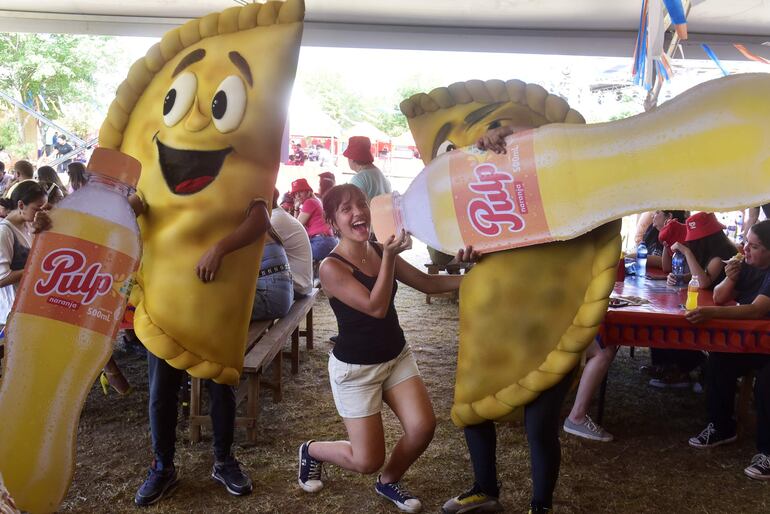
51, 73
348, 107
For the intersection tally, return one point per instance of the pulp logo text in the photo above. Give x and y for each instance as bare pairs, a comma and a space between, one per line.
495, 210
66, 271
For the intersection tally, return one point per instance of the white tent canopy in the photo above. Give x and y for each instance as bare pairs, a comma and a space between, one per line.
567, 27
307, 119
363, 128
405, 139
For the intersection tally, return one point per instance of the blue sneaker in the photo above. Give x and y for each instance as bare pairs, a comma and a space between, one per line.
309, 475
159, 481
229, 474
396, 493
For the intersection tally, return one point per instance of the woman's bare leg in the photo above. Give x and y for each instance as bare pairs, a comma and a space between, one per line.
363, 453
410, 402
599, 360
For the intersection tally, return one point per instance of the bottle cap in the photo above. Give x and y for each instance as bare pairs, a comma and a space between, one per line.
383, 216
116, 165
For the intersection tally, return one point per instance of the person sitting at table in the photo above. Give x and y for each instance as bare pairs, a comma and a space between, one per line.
668, 367
310, 214
275, 288
655, 248
297, 247
706, 248
747, 281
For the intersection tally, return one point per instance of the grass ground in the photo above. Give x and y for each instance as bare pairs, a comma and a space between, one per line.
648, 468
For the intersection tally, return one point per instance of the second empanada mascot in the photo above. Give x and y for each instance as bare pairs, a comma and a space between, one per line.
526, 315
204, 112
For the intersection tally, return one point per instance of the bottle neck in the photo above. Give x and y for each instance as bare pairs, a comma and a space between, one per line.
111, 184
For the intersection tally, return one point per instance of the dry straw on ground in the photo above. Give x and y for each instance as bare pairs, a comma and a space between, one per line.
649, 467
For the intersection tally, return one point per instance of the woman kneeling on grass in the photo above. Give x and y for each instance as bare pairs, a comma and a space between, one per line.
371, 361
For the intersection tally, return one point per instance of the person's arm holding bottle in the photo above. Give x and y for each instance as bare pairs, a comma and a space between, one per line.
704, 276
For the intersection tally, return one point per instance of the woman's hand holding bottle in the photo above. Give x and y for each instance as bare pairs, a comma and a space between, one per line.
395, 245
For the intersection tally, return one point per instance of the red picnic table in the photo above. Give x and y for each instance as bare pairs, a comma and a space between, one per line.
661, 323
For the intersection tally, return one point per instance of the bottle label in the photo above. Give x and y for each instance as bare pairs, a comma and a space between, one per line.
76, 281
500, 201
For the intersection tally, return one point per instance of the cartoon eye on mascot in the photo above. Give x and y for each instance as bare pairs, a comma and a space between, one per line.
204, 113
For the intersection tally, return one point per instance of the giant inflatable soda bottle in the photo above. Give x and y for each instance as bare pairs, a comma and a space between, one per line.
559, 181
59, 336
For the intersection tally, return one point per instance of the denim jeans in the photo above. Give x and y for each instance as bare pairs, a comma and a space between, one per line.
321, 246
275, 292
274, 296
164, 403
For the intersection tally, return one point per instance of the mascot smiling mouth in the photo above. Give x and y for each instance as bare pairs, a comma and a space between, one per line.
189, 171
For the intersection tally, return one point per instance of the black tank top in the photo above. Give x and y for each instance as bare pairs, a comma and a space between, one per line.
364, 339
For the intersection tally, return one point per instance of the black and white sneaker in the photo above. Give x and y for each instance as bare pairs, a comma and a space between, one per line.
160, 480
229, 474
309, 474
396, 493
709, 438
759, 468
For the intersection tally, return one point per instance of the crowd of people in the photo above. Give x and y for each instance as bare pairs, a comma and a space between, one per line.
323, 238
739, 277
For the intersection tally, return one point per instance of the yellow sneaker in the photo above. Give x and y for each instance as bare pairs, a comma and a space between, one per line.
474, 500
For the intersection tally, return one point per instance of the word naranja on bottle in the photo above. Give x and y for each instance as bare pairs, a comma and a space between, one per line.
559, 181
59, 335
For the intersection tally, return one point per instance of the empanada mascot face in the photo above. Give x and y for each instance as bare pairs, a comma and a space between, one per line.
526, 315
204, 112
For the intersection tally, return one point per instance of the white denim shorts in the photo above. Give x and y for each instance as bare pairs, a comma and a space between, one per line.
358, 388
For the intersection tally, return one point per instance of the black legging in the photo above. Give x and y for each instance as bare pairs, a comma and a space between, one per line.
684, 360
542, 419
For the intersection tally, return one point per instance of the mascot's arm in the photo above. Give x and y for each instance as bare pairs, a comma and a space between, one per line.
250, 230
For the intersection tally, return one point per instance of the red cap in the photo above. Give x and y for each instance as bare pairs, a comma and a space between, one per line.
300, 185
327, 174
359, 149
673, 232
701, 225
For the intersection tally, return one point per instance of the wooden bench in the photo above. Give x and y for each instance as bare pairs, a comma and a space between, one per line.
265, 344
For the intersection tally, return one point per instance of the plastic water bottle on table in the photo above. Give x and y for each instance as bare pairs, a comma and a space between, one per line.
678, 267
641, 260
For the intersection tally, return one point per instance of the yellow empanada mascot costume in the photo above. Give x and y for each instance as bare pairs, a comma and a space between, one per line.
526, 315
204, 112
